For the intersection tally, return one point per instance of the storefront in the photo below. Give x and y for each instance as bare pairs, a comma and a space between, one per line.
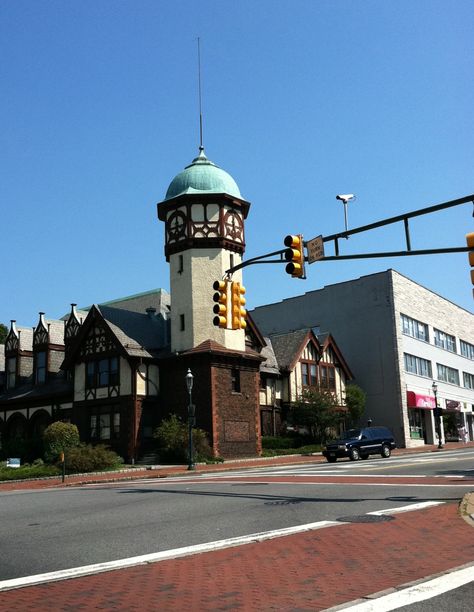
453, 421
419, 416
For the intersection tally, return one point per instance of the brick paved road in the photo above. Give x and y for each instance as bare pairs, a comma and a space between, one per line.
300, 572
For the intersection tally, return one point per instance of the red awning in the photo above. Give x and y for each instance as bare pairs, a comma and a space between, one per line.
415, 400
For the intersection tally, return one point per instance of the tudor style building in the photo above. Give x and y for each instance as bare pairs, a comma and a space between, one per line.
297, 361
117, 369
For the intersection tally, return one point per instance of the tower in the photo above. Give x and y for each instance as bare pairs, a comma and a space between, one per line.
204, 215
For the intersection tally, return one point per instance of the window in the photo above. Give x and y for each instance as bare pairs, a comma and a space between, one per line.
417, 365
11, 372
235, 380
447, 374
327, 374
40, 367
414, 328
467, 350
468, 380
180, 264
105, 426
309, 374
445, 341
102, 372
181, 322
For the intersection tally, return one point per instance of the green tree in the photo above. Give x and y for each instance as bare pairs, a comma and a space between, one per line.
355, 402
58, 437
3, 333
172, 437
316, 411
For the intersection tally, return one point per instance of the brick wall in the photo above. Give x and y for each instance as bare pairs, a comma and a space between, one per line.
231, 419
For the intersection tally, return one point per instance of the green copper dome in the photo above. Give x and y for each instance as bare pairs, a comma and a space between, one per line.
202, 176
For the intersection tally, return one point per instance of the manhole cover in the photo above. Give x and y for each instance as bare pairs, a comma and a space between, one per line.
366, 518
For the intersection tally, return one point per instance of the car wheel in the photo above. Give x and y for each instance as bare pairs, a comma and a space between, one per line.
331, 459
354, 454
386, 452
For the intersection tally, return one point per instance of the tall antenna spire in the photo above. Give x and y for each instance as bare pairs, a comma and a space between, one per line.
201, 147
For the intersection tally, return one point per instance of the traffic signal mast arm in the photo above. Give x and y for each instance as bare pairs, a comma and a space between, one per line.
404, 217
264, 259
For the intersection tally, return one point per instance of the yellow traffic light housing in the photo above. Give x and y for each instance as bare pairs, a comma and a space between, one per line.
470, 244
295, 256
220, 308
239, 314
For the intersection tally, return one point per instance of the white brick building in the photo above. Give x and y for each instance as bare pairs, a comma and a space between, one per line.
398, 337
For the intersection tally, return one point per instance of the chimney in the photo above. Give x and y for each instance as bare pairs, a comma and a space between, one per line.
151, 312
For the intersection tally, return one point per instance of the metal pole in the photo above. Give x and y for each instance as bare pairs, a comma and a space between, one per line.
438, 417
190, 434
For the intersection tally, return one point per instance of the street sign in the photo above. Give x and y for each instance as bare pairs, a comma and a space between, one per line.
315, 248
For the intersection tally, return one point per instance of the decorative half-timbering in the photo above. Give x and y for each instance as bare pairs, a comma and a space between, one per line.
295, 362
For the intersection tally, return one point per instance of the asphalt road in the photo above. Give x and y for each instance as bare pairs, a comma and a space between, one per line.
49, 530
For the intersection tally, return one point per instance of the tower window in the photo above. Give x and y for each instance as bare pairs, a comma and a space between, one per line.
181, 322
180, 264
235, 380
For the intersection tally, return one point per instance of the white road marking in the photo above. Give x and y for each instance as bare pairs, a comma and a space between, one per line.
415, 593
96, 568
419, 506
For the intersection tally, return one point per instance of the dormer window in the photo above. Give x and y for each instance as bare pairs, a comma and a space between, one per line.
40, 367
11, 372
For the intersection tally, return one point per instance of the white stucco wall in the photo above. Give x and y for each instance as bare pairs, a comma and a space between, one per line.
191, 296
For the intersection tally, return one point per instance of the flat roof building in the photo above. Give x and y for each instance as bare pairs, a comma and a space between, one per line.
399, 338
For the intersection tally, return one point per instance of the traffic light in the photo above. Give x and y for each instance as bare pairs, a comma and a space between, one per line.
470, 244
295, 256
220, 307
239, 314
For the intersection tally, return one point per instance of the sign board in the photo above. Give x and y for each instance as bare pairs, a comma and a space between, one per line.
315, 248
13, 462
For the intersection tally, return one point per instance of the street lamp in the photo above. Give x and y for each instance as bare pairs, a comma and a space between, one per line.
191, 408
437, 413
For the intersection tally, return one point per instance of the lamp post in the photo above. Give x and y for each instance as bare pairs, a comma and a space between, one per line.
191, 408
437, 413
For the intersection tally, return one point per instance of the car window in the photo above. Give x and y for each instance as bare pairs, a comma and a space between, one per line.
350, 434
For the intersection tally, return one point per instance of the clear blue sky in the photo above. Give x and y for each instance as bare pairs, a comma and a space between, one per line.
302, 100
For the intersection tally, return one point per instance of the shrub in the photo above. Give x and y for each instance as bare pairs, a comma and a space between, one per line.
57, 438
172, 437
88, 458
27, 471
272, 442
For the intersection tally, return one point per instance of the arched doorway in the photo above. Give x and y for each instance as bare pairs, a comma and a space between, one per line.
15, 440
38, 423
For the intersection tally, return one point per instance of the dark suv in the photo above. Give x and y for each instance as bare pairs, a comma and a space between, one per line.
360, 443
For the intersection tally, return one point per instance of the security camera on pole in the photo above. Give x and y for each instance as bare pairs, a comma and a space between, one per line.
345, 198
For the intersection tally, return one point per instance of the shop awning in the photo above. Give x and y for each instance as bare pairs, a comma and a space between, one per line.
415, 400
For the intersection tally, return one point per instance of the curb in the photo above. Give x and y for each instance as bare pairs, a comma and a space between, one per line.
466, 508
